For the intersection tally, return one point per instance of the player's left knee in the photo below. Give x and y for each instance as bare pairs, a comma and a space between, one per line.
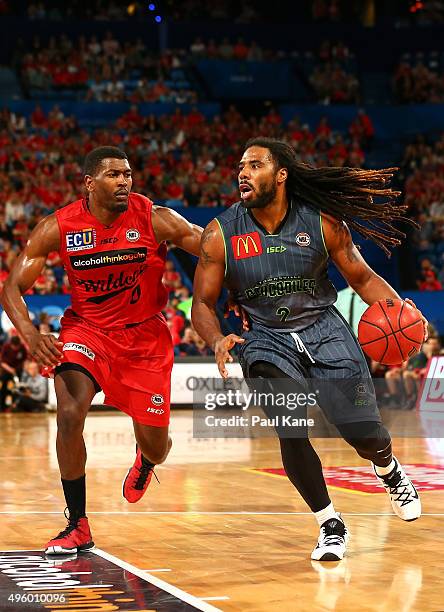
367, 437
156, 453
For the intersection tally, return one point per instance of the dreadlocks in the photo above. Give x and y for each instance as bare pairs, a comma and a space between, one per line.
344, 193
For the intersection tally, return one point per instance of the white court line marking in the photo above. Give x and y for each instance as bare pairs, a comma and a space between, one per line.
161, 584
157, 570
221, 598
215, 513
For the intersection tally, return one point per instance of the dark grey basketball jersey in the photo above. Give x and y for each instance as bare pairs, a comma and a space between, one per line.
280, 279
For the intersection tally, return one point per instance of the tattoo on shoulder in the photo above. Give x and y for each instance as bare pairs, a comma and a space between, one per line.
205, 257
351, 252
344, 236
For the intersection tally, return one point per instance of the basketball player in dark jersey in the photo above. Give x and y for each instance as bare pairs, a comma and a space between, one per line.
114, 337
271, 250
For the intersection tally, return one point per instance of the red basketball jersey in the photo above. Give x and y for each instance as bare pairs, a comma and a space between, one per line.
115, 271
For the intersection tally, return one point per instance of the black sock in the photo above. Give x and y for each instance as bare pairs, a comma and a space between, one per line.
147, 463
75, 496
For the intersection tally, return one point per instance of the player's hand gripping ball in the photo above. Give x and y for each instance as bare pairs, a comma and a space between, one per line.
391, 331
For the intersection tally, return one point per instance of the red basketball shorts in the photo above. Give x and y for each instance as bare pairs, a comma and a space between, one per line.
132, 365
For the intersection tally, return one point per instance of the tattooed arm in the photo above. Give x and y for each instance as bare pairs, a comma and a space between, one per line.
350, 263
208, 282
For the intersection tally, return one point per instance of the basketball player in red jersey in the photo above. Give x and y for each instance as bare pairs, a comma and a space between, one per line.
114, 337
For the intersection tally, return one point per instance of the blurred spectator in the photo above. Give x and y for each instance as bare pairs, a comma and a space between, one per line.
32, 391
403, 382
12, 358
430, 282
187, 346
171, 278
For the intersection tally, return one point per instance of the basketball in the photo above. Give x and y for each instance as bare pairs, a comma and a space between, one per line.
391, 331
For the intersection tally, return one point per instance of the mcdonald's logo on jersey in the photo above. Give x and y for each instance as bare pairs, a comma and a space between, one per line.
246, 245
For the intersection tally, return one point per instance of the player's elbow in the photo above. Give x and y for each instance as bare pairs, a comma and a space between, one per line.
362, 281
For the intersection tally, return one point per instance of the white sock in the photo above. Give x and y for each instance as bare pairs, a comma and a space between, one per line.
383, 471
325, 514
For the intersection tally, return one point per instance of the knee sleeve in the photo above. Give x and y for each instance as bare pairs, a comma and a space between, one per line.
370, 439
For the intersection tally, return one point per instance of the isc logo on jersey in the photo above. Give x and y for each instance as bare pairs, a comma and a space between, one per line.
83, 239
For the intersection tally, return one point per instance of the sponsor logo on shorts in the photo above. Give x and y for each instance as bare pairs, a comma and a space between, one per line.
155, 410
80, 348
157, 399
246, 245
81, 240
303, 239
361, 388
108, 258
132, 235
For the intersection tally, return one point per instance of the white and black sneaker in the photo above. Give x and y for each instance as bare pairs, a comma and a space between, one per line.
332, 541
403, 495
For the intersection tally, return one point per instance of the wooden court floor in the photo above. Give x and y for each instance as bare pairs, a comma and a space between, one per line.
222, 530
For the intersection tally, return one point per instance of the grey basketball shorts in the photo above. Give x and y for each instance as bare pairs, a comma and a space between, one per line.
324, 358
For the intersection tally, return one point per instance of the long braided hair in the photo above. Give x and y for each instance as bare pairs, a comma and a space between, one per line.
344, 193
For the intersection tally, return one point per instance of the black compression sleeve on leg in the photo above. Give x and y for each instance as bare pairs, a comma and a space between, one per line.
370, 439
301, 462
304, 470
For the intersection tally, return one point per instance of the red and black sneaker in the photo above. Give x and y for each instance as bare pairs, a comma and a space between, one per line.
74, 539
137, 479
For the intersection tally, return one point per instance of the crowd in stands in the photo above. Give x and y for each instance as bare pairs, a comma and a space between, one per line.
316, 11
423, 169
419, 80
108, 70
333, 79
104, 70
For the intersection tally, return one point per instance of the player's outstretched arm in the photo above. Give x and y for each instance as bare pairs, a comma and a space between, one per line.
208, 282
169, 225
25, 271
359, 275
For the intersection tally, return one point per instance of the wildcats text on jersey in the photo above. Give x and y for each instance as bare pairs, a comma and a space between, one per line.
83, 239
110, 286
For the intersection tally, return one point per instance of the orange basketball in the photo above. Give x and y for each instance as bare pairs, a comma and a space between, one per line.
391, 331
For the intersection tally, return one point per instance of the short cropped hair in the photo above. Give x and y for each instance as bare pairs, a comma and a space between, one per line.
96, 156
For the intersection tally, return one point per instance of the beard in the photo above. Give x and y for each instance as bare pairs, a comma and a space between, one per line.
262, 199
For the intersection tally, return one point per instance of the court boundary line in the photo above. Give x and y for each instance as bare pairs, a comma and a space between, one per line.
161, 584
144, 575
206, 513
